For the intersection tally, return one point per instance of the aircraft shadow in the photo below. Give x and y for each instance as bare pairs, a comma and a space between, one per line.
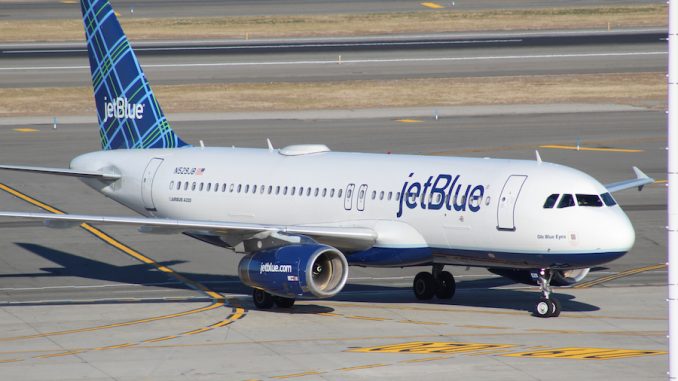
470, 293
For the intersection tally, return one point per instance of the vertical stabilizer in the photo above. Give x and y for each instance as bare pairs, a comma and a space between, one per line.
129, 115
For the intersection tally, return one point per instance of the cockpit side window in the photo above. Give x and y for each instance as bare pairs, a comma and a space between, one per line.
551, 201
608, 200
566, 201
589, 200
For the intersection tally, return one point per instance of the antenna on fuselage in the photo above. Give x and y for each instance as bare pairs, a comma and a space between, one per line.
270, 146
536, 152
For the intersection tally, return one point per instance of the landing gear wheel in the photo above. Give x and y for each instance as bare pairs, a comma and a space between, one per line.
544, 308
556, 307
283, 302
262, 299
445, 285
424, 286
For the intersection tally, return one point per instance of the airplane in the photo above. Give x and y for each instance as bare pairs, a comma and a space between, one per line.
300, 215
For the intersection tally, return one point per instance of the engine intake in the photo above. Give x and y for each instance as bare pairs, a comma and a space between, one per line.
292, 271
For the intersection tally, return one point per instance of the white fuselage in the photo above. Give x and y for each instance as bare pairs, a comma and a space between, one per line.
467, 211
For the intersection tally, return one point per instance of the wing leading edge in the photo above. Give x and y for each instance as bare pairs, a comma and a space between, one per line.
353, 237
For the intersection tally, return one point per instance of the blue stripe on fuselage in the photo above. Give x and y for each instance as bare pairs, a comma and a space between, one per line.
403, 257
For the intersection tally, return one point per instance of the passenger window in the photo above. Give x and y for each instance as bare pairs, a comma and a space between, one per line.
317, 190
209, 187
239, 188
390, 195
231, 188
381, 195
397, 197
332, 192
589, 200
202, 185
178, 185
294, 189
551, 201
254, 189
216, 187
566, 201
308, 192
277, 190
171, 185
374, 195
193, 186
285, 191
263, 189
186, 185
340, 192
247, 188
608, 200
324, 192
270, 189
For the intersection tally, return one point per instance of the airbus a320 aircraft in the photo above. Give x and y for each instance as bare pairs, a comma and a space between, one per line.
302, 214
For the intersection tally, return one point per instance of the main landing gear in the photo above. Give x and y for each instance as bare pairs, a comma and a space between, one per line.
263, 300
438, 282
547, 306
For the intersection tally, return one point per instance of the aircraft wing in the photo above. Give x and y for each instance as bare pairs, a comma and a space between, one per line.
641, 180
62, 172
353, 237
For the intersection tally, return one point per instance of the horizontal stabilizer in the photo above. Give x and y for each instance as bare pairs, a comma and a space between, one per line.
62, 172
641, 180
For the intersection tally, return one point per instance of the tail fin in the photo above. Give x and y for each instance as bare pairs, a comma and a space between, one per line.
129, 115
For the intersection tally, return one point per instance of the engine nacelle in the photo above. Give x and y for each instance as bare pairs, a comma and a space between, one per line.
293, 271
559, 278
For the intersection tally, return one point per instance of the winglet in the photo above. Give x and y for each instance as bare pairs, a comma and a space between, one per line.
640, 181
642, 176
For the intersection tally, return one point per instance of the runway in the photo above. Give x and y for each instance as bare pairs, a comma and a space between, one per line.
76, 306
53, 9
333, 60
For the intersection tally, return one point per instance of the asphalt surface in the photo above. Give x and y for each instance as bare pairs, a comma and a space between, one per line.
328, 60
54, 9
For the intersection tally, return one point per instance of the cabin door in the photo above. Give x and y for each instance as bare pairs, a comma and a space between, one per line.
147, 183
506, 208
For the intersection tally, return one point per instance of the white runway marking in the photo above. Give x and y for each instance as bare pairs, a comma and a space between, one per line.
359, 61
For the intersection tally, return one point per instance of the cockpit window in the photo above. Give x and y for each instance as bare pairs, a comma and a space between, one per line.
551, 201
566, 201
589, 200
608, 200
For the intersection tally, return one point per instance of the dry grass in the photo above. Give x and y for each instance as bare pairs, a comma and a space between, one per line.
349, 25
636, 88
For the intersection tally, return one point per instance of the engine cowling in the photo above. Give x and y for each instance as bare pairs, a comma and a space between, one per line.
560, 277
293, 271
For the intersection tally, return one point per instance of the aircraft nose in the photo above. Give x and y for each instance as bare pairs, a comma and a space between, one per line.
620, 231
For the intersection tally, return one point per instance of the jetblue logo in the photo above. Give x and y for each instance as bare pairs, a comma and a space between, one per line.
445, 191
120, 108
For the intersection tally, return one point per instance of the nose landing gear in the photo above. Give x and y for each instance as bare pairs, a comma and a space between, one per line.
547, 306
438, 282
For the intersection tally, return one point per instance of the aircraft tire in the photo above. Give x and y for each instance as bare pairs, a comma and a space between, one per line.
262, 299
556, 307
445, 285
544, 308
424, 286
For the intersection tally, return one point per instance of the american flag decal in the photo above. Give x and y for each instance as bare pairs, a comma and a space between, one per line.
199, 171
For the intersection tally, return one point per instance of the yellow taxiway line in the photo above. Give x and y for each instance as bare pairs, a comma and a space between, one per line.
575, 148
218, 300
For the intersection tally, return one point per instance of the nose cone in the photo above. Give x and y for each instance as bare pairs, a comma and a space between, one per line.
619, 232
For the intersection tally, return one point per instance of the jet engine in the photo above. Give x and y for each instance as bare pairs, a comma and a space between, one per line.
560, 277
298, 270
